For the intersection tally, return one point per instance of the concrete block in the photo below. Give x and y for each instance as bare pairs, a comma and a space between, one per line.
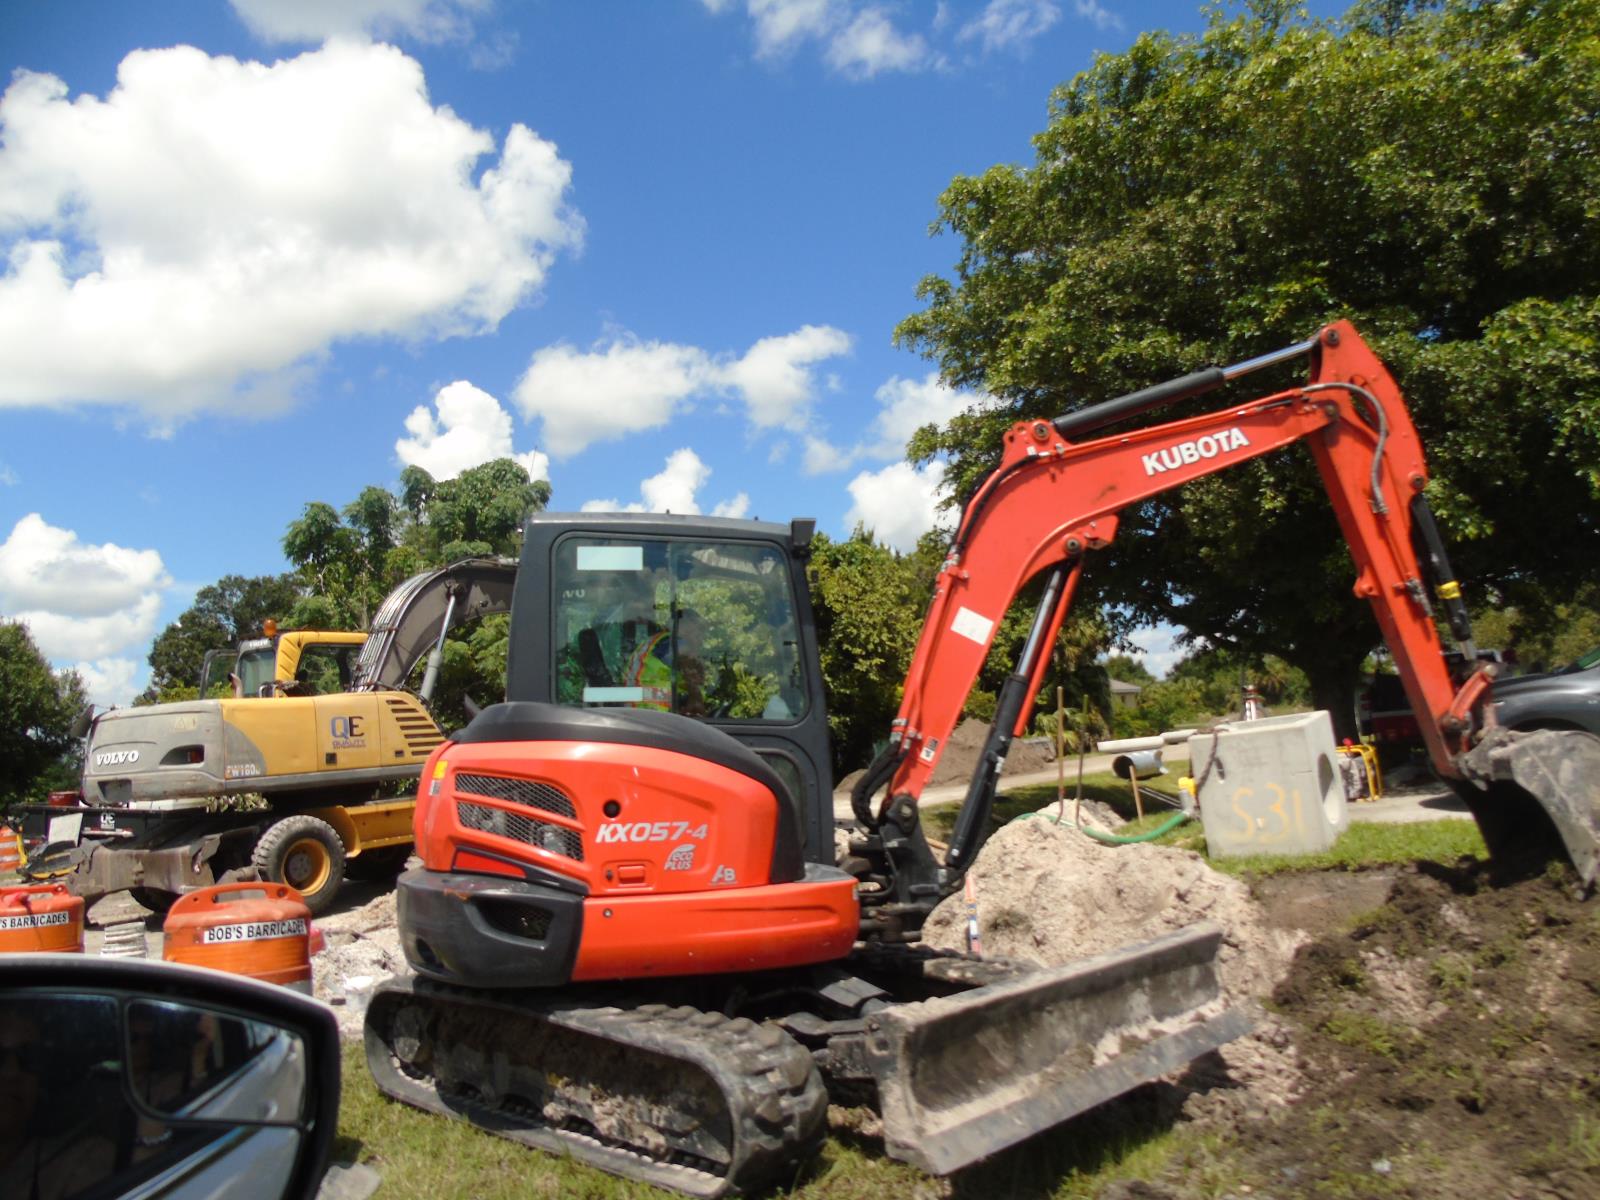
1274, 787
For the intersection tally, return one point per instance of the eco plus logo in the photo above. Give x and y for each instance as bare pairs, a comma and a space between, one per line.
681, 858
1189, 453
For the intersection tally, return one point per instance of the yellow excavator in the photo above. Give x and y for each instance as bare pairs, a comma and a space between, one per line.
280, 768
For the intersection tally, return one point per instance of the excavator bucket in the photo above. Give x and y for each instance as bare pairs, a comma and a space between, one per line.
1534, 795
964, 1076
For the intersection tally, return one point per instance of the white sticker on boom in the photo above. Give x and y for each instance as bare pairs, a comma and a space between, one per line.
610, 558
971, 626
254, 931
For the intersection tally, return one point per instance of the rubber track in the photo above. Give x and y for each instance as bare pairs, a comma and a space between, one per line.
774, 1098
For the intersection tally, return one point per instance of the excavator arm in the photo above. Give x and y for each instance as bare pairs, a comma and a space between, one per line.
1051, 500
414, 618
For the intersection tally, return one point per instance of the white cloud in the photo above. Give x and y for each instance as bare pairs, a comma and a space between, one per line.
780, 25
858, 41
1011, 24
471, 428
112, 681
624, 386
8, 477
871, 44
212, 224
775, 376
61, 637
899, 503
618, 388
1099, 14
675, 490
906, 406
822, 456
42, 567
1158, 648
80, 601
317, 20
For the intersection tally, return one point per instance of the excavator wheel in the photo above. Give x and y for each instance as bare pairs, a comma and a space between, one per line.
306, 853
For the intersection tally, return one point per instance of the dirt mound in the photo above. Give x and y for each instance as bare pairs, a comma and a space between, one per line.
1451, 1046
960, 757
1457, 1033
1048, 893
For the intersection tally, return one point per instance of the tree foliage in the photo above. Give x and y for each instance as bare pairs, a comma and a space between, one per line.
348, 561
1426, 170
37, 708
870, 603
223, 614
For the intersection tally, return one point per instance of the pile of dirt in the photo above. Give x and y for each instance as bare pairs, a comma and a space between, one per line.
960, 757
1455, 1041
1049, 894
1449, 1043
363, 949
961, 752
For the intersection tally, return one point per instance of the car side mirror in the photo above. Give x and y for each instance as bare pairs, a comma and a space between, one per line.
123, 1078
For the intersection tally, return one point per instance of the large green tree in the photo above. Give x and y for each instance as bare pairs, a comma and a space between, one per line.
37, 708
348, 560
1429, 171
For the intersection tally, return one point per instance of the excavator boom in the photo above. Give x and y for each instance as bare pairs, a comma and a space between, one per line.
1051, 500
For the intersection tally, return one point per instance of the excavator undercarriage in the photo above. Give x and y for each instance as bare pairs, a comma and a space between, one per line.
715, 1086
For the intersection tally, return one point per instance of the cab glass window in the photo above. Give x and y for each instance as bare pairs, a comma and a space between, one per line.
706, 629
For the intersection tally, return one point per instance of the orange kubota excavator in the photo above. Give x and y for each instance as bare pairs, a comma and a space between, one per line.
631, 940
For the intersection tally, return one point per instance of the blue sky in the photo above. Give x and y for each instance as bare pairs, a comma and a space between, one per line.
262, 252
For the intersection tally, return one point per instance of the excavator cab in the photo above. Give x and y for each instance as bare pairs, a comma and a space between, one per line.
597, 623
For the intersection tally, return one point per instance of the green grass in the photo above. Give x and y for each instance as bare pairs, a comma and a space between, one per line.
1366, 845
1362, 845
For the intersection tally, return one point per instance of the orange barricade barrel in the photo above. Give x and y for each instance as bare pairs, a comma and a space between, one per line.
11, 856
258, 929
42, 916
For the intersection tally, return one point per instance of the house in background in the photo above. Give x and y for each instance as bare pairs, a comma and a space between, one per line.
1124, 695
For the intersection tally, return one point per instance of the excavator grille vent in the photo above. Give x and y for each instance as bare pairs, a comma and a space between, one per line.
421, 735
504, 823
519, 791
